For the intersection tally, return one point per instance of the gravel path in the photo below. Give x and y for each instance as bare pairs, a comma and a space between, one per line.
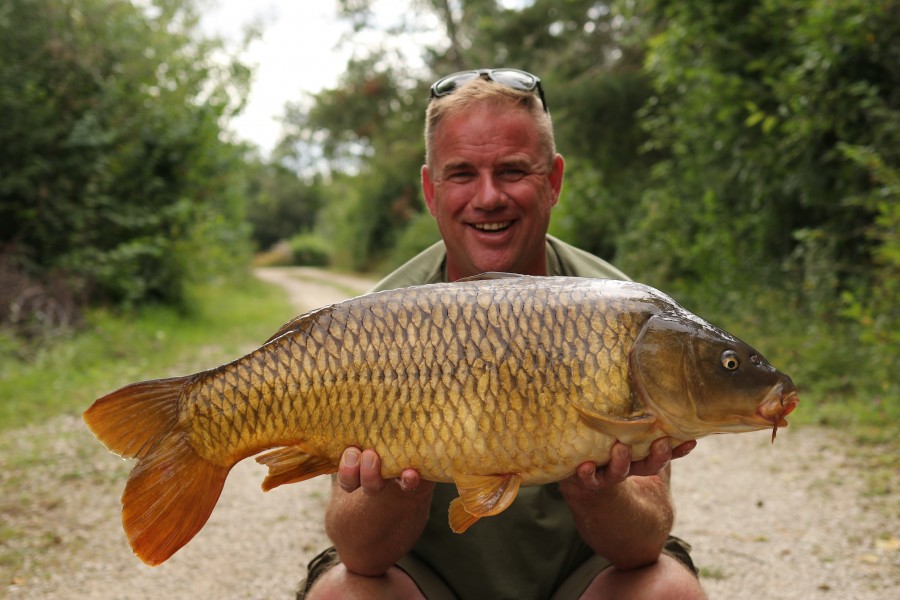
791, 520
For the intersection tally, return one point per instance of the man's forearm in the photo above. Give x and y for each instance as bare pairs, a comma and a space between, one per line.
371, 532
627, 523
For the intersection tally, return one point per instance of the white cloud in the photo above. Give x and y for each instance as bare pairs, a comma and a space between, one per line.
298, 51
296, 54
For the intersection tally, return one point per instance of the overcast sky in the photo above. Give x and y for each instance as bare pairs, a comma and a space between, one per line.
297, 53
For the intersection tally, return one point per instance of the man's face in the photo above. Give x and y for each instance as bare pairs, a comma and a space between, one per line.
491, 191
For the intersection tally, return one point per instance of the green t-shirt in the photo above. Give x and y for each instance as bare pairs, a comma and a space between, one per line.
529, 549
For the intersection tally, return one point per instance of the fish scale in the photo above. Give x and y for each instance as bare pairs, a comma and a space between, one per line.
490, 383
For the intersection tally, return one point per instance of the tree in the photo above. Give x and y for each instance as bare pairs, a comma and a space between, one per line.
112, 167
280, 204
753, 102
369, 132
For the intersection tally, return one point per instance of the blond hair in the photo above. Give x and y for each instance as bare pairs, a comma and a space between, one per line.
500, 96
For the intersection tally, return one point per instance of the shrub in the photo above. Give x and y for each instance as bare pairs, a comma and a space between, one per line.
310, 250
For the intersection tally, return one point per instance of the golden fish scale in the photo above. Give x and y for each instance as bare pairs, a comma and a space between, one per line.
474, 378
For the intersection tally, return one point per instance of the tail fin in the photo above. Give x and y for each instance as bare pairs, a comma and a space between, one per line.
171, 490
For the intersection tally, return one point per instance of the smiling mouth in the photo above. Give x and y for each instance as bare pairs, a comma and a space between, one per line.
492, 227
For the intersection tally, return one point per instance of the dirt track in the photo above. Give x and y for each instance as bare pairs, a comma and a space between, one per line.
787, 521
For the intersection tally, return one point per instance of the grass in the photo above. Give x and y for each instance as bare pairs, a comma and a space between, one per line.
713, 573
64, 377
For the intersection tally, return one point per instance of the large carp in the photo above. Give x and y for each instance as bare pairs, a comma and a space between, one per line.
491, 383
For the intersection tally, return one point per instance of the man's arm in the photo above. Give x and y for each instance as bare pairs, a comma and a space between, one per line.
371, 521
624, 511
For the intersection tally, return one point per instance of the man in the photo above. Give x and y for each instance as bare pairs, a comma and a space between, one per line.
490, 179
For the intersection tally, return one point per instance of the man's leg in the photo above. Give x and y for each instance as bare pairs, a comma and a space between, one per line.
409, 578
666, 578
337, 583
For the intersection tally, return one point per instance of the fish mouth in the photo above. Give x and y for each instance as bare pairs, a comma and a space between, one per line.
777, 405
492, 227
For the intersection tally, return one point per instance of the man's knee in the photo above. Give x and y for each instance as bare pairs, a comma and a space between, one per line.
337, 583
666, 578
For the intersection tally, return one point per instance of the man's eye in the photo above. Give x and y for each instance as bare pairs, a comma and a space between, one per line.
460, 176
512, 174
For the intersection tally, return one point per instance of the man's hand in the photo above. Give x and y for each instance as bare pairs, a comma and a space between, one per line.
620, 466
362, 469
625, 520
372, 530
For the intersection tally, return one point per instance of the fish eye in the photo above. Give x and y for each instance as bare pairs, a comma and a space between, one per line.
730, 360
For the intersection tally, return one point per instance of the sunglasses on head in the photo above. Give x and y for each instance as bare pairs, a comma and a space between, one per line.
513, 78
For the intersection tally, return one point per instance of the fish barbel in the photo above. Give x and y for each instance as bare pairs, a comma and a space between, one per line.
490, 383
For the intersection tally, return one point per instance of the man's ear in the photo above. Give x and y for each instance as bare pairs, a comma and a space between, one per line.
428, 189
556, 178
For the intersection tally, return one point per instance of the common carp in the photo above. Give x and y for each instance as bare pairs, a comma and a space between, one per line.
491, 383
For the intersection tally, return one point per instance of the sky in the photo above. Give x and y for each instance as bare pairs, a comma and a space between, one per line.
298, 53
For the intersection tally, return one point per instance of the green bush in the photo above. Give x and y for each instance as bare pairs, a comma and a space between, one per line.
113, 171
310, 250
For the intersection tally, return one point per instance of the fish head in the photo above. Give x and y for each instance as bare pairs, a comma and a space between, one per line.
698, 379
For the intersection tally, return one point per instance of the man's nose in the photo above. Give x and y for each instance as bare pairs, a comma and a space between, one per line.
489, 195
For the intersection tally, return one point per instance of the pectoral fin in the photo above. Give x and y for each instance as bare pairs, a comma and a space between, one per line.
627, 430
292, 464
481, 496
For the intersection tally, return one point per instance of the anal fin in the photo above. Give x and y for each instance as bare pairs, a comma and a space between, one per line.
292, 464
460, 518
481, 496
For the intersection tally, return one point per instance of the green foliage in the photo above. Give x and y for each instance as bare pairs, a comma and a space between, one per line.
369, 130
111, 165
589, 214
874, 307
773, 202
280, 203
753, 101
309, 250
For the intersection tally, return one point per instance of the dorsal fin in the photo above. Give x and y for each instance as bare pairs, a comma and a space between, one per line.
489, 275
297, 323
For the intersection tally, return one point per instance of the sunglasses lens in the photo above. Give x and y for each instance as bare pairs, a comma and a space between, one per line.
515, 79
448, 84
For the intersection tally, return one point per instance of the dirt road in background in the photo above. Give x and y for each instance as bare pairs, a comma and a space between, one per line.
786, 521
